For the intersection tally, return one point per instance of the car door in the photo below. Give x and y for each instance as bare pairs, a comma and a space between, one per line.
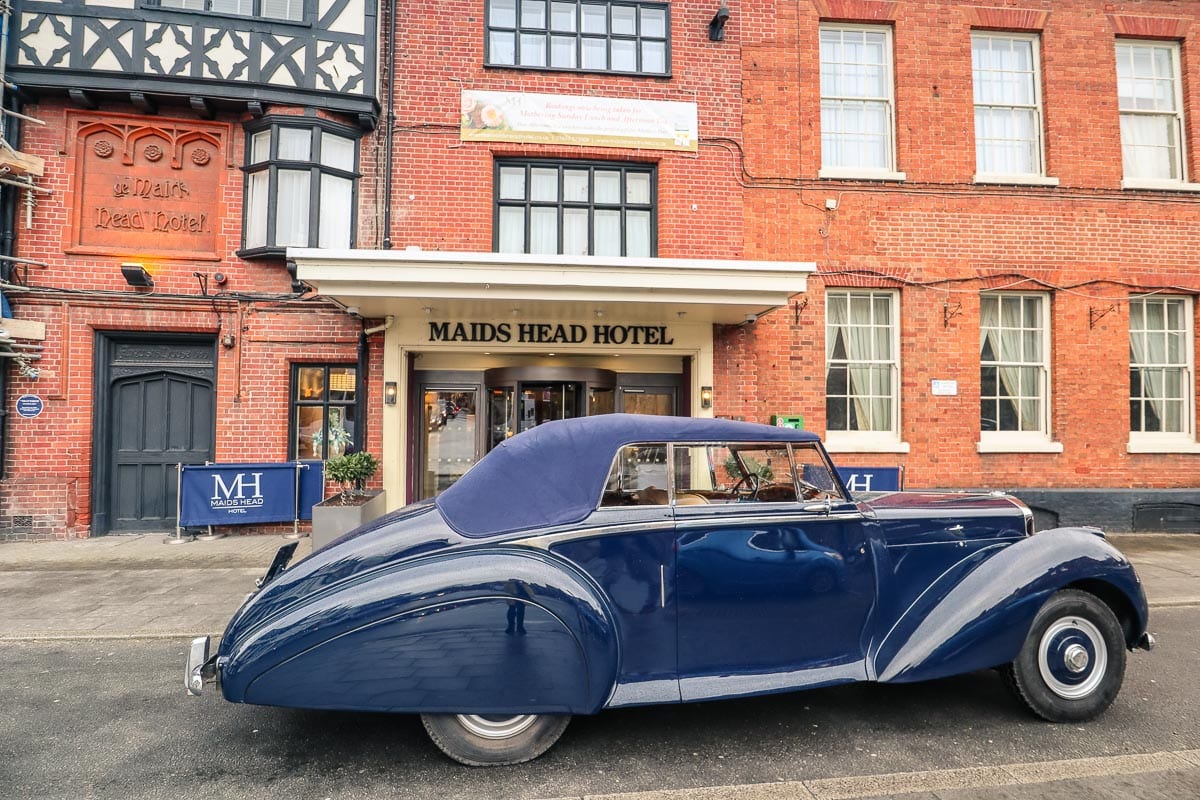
631, 557
772, 592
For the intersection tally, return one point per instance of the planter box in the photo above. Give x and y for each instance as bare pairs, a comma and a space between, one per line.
331, 519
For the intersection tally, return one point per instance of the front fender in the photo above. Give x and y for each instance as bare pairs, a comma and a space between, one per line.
982, 619
439, 634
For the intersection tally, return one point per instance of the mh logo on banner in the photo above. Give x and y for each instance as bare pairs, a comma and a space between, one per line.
239, 492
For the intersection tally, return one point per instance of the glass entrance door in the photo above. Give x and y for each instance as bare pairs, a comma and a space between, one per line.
521, 398
449, 436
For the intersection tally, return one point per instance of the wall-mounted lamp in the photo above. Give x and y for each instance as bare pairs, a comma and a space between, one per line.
389, 393
228, 341
716, 28
706, 397
136, 275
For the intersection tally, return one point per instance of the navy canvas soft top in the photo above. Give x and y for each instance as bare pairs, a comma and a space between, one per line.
554, 474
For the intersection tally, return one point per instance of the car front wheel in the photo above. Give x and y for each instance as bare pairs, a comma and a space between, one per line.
1073, 660
487, 740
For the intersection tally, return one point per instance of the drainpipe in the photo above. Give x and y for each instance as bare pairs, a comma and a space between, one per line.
9, 200
389, 128
387, 323
361, 410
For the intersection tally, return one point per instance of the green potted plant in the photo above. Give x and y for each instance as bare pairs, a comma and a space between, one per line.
353, 505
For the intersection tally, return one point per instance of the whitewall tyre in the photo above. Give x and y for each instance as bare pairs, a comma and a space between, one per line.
1073, 661
489, 740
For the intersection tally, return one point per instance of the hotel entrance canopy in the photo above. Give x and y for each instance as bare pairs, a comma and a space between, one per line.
481, 285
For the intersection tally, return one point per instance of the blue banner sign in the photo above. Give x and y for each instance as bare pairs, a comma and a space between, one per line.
240, 494
312, 487
872, 479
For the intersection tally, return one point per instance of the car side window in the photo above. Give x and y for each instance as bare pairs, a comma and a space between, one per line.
638, 477
733, 473
813, 474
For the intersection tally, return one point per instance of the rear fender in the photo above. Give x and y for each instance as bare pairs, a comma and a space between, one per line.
433, 635
981, 619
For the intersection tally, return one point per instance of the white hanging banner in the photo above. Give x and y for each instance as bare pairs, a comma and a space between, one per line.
572, 119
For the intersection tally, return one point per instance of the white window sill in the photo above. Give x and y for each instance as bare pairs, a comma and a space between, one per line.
1159, 186
1018, 180
1142, 443
850, 174
1017, 443
860, 442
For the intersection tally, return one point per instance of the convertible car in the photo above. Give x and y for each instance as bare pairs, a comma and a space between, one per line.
621, 560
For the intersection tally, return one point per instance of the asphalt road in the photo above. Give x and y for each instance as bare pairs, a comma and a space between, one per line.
110, 719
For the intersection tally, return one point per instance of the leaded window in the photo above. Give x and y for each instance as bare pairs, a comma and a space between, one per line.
1008, 105
575, 208
292, 10
857, 99
1160, 365
301, 185
323, 411
861, 360
1150, 101
1014, 363
627, 37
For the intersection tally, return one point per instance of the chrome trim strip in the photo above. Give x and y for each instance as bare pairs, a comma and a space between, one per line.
547, 540
714, 686
640, 693
769, 519
662, 585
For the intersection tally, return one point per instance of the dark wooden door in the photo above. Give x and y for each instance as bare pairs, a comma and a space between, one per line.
158, 412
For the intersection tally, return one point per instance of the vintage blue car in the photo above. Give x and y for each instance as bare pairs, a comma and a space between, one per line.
618, 560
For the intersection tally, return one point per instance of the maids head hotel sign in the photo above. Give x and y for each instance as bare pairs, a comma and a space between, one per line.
548, 333
136, 179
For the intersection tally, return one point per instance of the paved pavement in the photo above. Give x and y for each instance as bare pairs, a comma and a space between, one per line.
129, 586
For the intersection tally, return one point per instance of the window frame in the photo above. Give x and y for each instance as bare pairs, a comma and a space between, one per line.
306, 10
1009, 441
867, 441
1038, 176
670, 490
579, 35
1182, 441
890, 170
1177, 116
562, 165
316, 170
324, 403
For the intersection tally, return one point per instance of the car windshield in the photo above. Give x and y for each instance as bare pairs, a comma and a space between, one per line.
708, 473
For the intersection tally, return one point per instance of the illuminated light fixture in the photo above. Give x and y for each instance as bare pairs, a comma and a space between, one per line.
341, 382
716, 27
389, 393
706, 395
135, 275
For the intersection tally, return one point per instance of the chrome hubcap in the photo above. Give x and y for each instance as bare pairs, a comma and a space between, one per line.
1076, 658
496, 726
1072, 657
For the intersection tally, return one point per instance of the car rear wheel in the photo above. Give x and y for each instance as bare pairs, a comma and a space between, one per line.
486, 740
1073, 661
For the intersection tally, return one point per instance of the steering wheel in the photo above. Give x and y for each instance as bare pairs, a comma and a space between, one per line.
746, 488
809, 491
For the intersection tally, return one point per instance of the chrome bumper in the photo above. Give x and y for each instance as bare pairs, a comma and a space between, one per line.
1146, 642
201, 668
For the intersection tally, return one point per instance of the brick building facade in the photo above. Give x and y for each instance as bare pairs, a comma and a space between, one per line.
933, 230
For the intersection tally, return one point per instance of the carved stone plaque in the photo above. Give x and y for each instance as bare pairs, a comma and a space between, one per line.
146, 188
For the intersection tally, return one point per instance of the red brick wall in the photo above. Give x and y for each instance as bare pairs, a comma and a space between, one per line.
49, 458
1087, 237
443, 187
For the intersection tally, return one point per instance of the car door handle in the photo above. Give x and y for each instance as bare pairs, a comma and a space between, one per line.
819, 508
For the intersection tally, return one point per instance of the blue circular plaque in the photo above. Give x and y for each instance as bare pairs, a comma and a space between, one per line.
30, 405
